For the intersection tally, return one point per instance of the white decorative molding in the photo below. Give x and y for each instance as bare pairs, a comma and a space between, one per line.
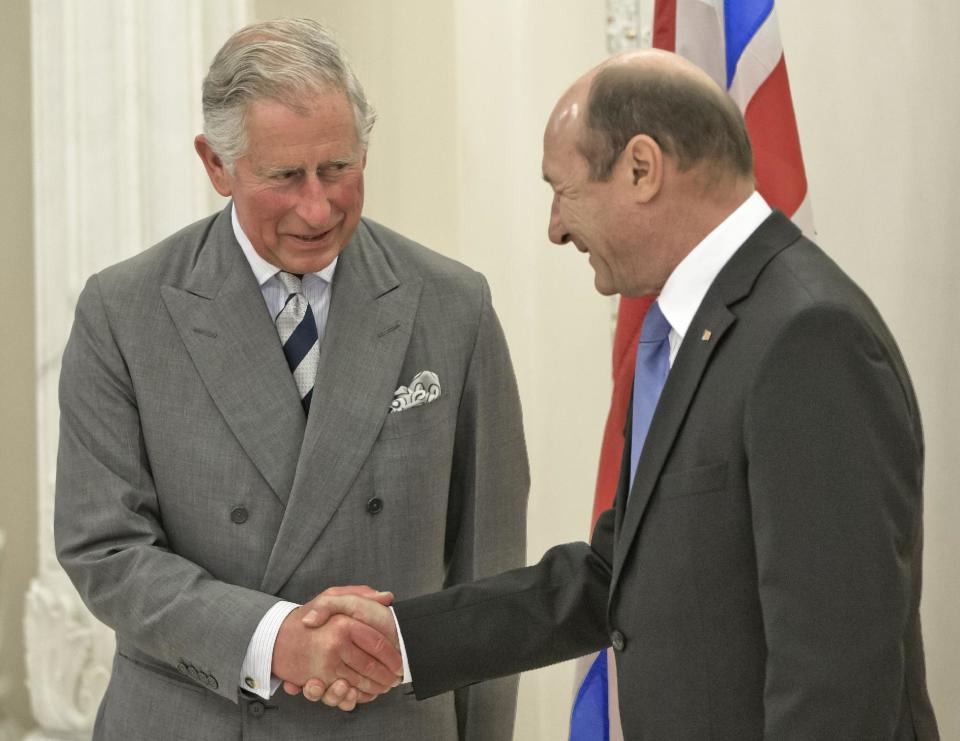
629, 24
74, 652
116, 104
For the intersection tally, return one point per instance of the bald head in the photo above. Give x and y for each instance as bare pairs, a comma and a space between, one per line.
646, 155
661, 95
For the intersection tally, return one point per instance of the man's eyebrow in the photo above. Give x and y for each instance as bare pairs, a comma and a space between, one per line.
271, 170
268, 170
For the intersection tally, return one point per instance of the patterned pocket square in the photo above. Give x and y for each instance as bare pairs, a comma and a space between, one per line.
424, 388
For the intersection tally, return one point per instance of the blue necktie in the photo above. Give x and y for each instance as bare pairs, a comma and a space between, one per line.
653, 364
298, 335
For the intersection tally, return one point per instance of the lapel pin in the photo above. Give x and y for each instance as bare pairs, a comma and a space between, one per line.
705, 337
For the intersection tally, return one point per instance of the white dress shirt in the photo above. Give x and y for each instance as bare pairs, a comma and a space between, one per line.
255, 673
689, 282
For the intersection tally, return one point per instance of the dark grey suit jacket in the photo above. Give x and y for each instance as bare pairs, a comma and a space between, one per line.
192, 492
762, 581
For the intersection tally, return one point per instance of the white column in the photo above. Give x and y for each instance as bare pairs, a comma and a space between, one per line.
116, 104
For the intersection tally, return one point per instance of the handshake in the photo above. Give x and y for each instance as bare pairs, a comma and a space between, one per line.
341, 647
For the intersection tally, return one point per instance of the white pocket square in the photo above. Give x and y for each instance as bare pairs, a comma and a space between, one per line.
424, 388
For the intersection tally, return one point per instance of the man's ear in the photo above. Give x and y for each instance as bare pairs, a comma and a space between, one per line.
216, 170
642, 164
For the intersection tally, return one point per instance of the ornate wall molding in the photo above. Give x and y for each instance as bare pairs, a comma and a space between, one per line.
116, 103
629, 24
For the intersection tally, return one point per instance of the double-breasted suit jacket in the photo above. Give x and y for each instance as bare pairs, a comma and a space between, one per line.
762, 579
193, 493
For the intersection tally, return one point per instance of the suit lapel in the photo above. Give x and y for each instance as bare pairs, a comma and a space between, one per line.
226, 328
734, 282
368, 330
620, 498
678, 392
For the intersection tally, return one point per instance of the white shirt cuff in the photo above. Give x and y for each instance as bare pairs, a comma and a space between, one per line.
255, 673
407, 678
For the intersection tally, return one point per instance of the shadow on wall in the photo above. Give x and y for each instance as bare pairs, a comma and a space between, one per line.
9, 728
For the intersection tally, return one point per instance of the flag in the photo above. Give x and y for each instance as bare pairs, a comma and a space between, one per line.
737, 42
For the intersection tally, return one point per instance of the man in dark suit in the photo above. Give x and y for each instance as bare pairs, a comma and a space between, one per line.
759, 575
282, 397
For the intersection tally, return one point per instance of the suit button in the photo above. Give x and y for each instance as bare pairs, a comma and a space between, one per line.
192, 672
375, 506
239, 515
212, 683
182, 668
257, 709
617, 640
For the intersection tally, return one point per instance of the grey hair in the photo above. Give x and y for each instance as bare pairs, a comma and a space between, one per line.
285, 60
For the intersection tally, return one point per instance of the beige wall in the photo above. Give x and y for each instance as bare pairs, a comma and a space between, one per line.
18, 468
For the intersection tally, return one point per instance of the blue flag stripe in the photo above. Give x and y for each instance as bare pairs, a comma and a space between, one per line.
741, 20
590, 719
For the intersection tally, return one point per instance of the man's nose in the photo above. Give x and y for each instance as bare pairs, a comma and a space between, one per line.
555, 229
314, 203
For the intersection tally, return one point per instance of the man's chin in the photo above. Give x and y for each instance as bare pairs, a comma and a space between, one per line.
604, 288
302, 259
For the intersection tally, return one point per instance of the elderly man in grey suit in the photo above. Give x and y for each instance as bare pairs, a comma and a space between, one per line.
759, 575
282, 397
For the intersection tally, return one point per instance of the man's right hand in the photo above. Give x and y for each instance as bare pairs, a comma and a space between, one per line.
359, 602
340, 644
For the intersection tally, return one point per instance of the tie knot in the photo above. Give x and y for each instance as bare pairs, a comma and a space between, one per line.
291, 282
656, 328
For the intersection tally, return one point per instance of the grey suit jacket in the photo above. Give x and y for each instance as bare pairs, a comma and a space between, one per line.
762, 581
192, 492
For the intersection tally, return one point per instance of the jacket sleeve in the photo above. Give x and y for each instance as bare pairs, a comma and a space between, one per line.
512, 622
835, 474
109, 527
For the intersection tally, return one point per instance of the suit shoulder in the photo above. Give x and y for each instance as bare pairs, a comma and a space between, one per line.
804, 278
803, 292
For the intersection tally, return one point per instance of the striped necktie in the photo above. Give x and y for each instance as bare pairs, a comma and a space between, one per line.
653, 364
298, 335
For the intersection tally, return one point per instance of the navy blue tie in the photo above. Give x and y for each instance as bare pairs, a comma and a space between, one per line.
298, 335
653, 364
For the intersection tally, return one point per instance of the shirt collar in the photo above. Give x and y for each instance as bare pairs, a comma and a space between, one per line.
689, 282
263, 270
